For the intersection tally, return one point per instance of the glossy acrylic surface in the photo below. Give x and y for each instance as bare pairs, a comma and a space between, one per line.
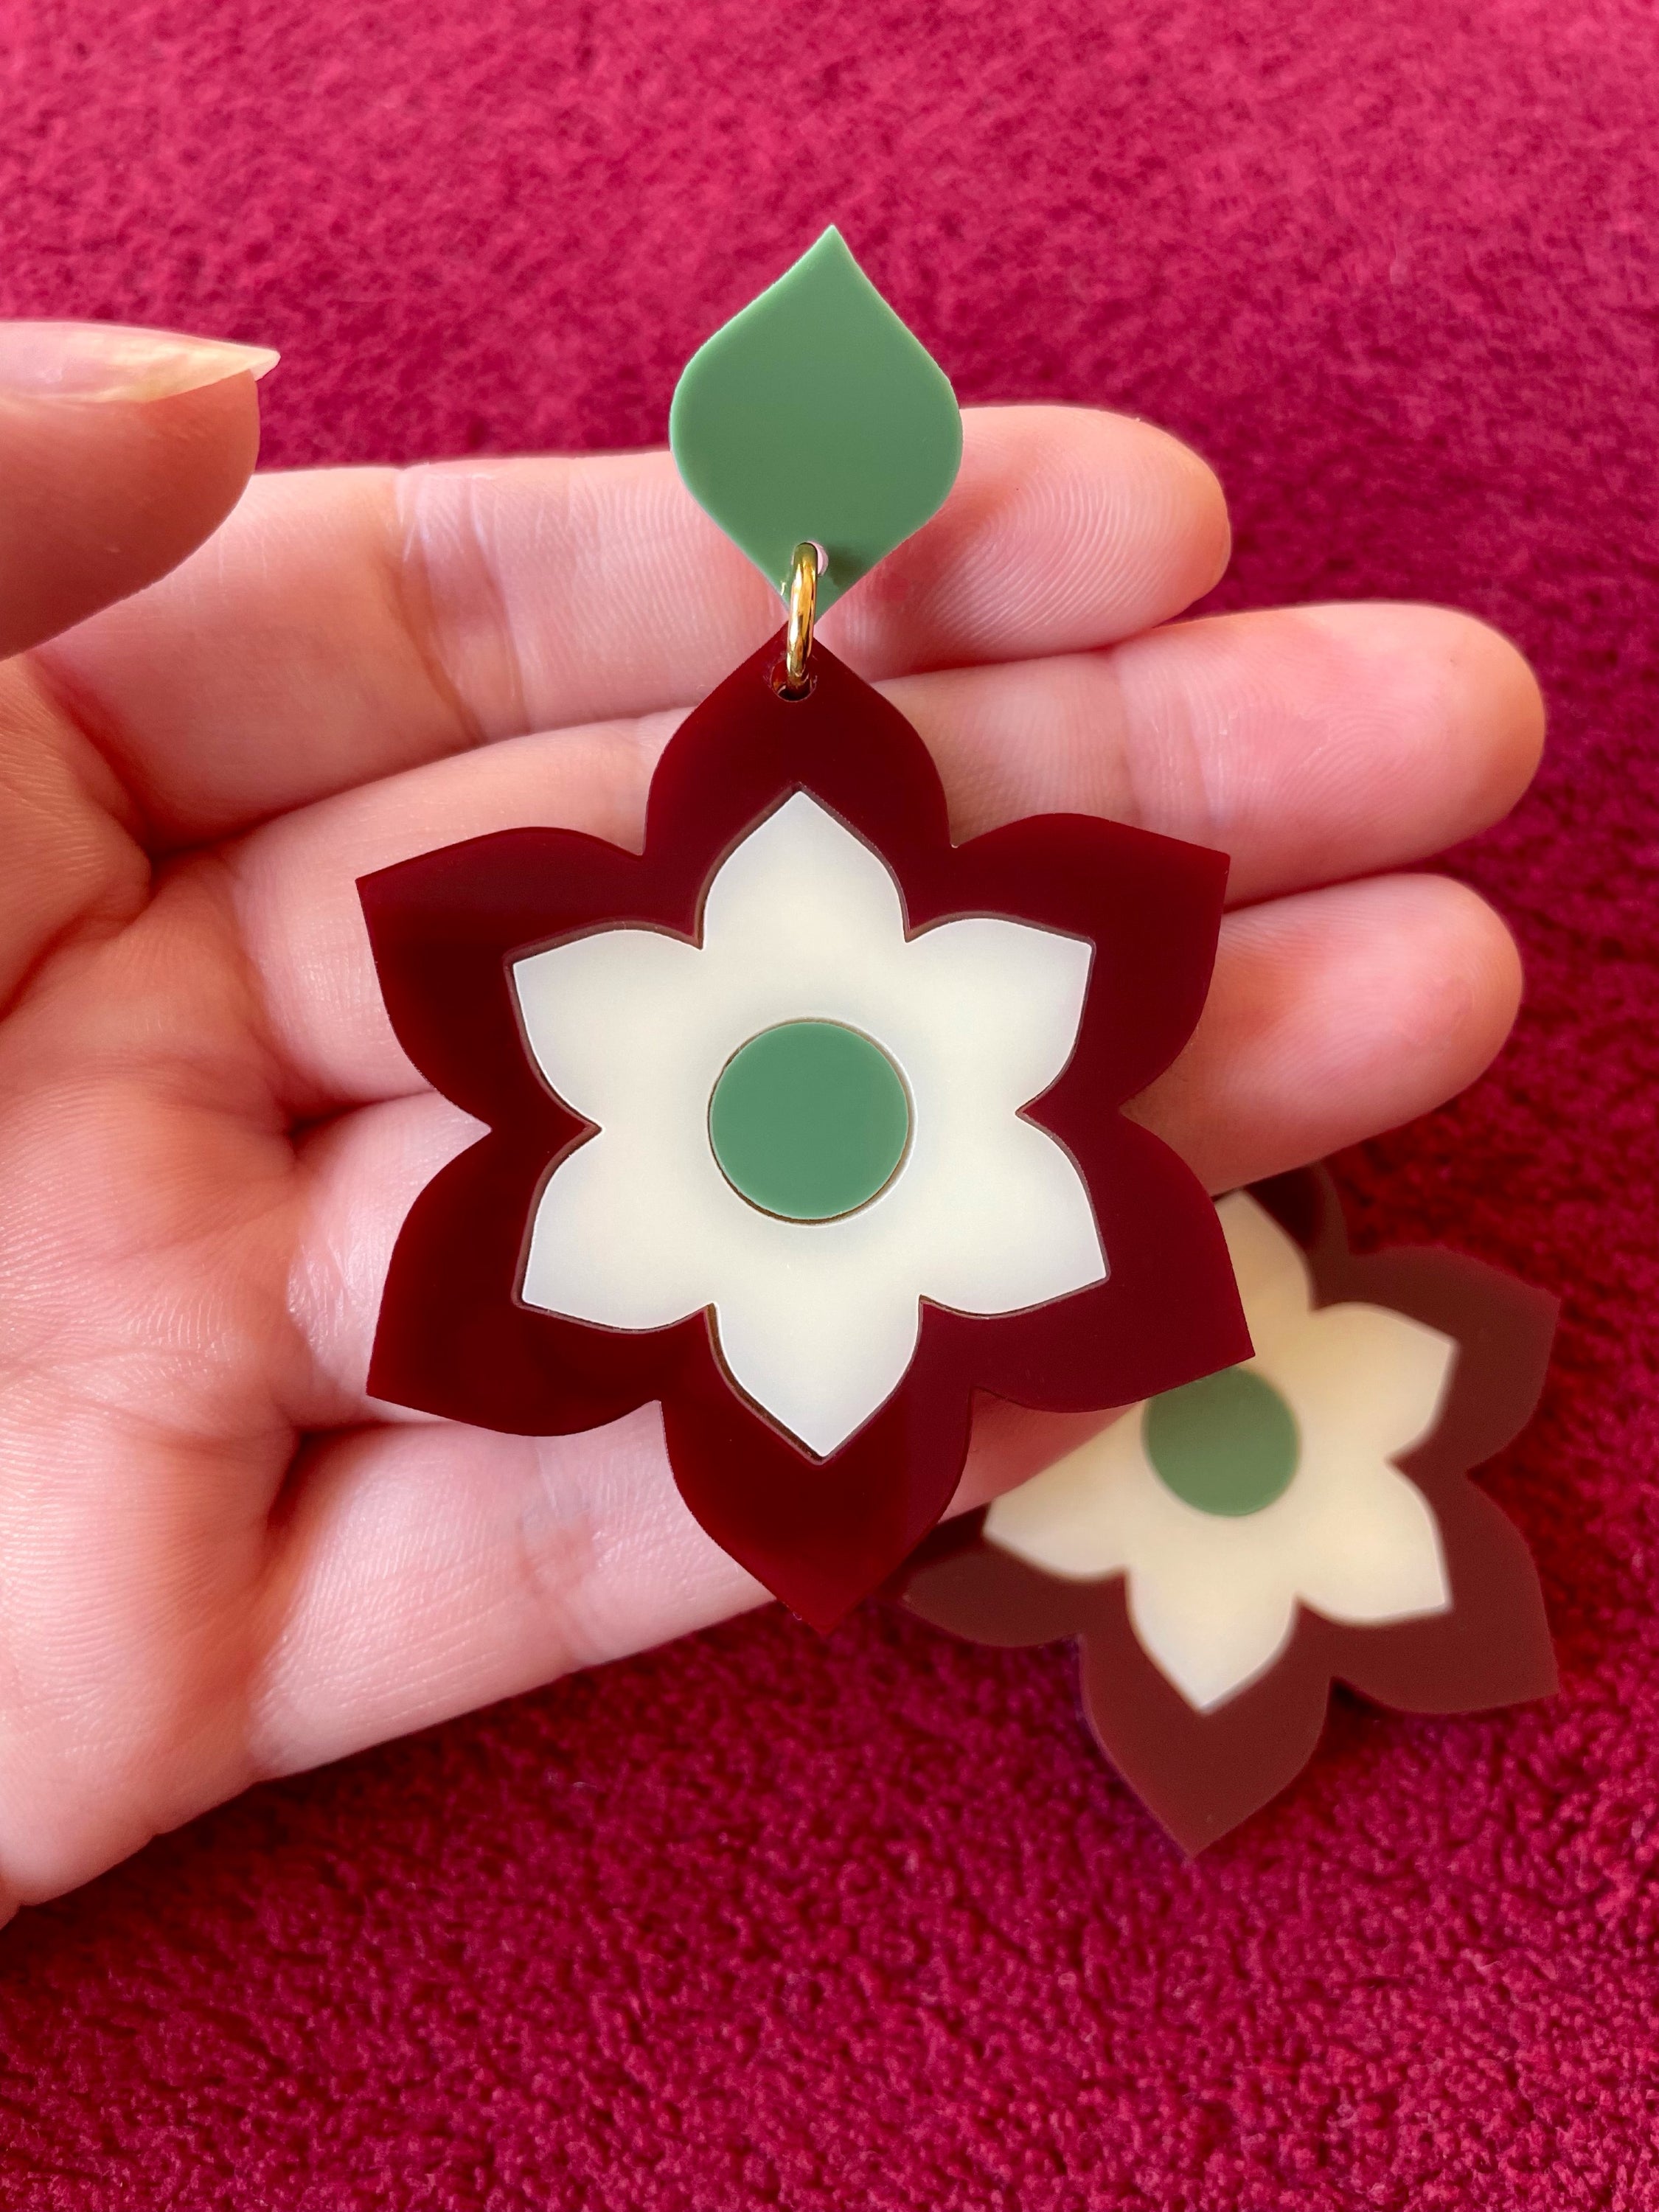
972, 1205
814, 414
809, 1121
457, 1337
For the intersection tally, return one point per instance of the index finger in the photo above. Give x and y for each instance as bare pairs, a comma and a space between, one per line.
346, 625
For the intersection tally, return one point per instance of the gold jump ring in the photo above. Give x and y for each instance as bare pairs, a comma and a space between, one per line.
803, 598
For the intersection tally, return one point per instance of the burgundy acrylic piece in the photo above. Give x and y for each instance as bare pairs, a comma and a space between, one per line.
456, 1338
1202, 1773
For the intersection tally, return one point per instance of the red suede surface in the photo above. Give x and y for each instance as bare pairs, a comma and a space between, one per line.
758, 1921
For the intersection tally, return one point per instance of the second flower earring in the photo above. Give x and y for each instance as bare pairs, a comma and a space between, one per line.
802, 1122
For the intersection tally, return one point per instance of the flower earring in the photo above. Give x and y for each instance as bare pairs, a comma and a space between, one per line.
1226, 1550
803, 1120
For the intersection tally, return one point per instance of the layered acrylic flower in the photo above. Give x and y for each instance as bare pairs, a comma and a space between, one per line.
802, 1122
1228, 1504
807, 1121
1224, 1549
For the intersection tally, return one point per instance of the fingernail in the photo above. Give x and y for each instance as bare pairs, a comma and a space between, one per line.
112, 361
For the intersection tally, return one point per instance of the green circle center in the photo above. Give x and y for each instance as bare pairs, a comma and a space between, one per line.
1226, 1444
809, 1121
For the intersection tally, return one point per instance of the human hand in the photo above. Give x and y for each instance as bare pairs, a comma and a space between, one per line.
219, 1560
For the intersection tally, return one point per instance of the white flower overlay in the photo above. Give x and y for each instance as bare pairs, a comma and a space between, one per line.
1213, 1599
816, 1321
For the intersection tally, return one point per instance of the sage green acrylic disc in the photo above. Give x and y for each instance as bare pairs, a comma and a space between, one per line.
815, 413
809, 1121
1226, 1444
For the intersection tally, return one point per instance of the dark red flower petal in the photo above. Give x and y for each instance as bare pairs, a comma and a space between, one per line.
976, 1590
820, 1534
1199, 1774
455, 1338
1492, 1649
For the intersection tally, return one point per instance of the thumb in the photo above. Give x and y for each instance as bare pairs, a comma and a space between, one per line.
120, 451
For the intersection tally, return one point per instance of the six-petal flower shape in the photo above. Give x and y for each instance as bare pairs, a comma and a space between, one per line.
814, 1268
1225, 1550
803, 1122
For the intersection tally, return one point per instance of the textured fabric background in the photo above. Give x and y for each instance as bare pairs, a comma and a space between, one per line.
757, 1920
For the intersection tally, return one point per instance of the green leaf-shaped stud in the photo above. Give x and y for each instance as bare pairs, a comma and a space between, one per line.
815, 413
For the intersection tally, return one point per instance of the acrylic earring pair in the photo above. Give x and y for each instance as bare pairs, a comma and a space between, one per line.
803, 1122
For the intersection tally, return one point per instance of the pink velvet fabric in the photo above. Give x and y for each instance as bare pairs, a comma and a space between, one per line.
759, 1921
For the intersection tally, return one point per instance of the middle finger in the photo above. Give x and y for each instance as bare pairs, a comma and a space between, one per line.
1311, 744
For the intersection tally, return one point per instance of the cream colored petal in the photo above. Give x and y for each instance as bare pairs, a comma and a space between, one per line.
1370, 1550
801, 899
614, 1240
1007, 1000
1079, 1517
604, 1012
1364, 1383
1269, 1267
1011, 1226
1003, 1219
1211, 1599
819, 1347
1212, 1633
817, 1321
